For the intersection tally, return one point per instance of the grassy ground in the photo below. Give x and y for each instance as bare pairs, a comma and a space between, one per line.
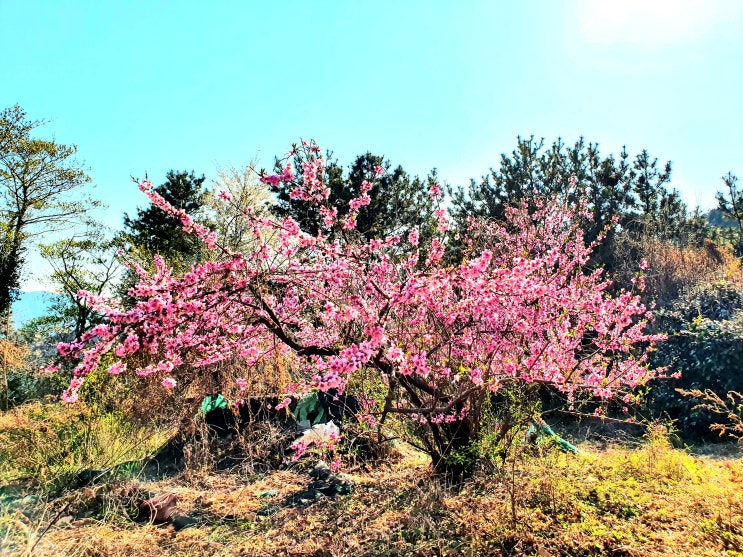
644, 500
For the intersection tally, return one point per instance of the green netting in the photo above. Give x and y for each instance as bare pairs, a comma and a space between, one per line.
544, 431
213, 402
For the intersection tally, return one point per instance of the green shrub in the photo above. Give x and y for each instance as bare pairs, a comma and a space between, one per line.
709, 355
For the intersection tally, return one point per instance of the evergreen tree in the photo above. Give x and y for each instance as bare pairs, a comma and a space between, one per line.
730, 204
636, 193
648, 184
524, 174
531, 172
36, 179
154, 232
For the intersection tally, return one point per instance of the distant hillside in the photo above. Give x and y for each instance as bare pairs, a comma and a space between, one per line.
31, 305
717, 218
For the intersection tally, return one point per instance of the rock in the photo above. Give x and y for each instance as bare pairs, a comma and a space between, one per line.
89, 476
331, 486
181, 522
160, 508
320, 471
268, 511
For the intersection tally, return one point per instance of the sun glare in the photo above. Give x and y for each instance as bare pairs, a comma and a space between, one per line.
652, 23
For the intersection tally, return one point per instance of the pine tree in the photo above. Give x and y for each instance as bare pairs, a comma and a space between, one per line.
730, 204
37, 177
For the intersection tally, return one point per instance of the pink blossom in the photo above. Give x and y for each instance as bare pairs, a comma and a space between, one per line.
435, 191
299, 449
69, 396
272, 180
284, 403
54, 367
117, 368
168, 383
349, 223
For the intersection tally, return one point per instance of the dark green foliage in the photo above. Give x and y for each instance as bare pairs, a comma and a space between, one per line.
399, 202
607, 187
526, 173
532, 171
11, 263
705, 344
614, 188
155, 232
697, 228
648, 184
25, 385
655, 205
632, 193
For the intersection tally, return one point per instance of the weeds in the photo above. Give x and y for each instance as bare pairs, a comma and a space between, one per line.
730, 407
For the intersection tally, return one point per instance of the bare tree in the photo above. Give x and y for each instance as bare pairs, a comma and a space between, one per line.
238, 190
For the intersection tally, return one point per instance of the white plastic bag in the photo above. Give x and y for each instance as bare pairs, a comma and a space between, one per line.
320, 433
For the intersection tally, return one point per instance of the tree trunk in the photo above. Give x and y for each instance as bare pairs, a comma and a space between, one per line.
4, 366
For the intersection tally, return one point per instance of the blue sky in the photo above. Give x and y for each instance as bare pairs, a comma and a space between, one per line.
149, 86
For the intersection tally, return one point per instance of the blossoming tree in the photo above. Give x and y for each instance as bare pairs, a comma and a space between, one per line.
437, 338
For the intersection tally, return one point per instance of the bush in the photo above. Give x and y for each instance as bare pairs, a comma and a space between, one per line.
709, 356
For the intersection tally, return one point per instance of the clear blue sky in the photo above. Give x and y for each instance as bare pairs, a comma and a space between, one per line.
149, 86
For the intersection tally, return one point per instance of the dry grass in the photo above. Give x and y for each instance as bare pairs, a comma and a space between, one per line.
45, 444
675, 270
649, 501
